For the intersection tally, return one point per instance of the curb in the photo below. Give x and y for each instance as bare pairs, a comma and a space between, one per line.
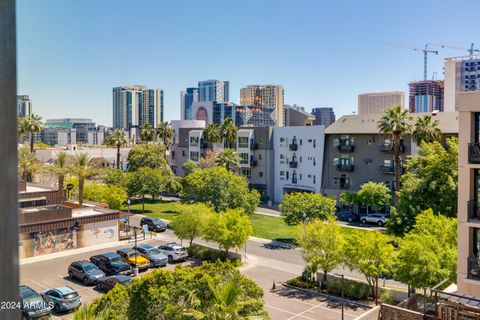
359, 304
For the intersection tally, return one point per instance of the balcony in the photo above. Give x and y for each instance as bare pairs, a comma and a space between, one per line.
388, 148
253, 162
473, 212
293, 164
391, 169
293, 146
253, 145
473, 264
294, 180
344, 185
474, 153
346, 145
345, 167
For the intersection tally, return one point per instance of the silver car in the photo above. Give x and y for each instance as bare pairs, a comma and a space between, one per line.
62, 298
174, 252
379, 219
153, 254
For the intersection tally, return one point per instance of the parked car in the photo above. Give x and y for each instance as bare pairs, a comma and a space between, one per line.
62, 298
85, 271
153, 254
108, 283
379, 219
347, 216
33, 305
111, 263
154, 224
174, 252
133, 258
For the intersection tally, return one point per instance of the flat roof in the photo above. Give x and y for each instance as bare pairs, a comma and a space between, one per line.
38, 188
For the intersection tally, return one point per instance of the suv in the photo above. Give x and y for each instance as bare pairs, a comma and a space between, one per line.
63, 298
156, 258
379, 219
133, 258
154, 224
111, 263
346, 216
33, 305
85, 271
174, 252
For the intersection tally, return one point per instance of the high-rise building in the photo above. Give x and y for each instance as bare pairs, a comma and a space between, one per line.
265, 96
186, 100
324, 116
213, 90
134, 106
296, 116
79, 127
378, 102
426, 96
24, 106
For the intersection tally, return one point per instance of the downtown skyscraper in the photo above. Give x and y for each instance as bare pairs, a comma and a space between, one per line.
213, 90
269, 98
134, 106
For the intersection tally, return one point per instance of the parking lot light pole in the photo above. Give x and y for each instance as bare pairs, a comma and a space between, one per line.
135, 269
343, 297
128, 219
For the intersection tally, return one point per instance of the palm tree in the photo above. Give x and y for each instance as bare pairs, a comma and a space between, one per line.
82, 167
59, 167
212, 134
27, 164
165, 133
33, 124
229, 158
147, 133
426, 130
22, 129
117, 139
229, 131
395, 123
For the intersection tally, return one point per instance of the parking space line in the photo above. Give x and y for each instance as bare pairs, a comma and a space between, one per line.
39, 284
289, 312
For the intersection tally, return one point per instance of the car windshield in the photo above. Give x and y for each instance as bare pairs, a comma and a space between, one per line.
33, 300
89, 267
157, 222
153, 251
132, 254
115, 259
71, 295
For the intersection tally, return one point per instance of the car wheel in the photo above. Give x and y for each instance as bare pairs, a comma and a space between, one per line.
364, 221
350, 219
85, 281
380, 223
170, 259
70, 274
56, 308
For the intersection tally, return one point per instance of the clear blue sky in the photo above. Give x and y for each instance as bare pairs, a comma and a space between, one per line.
71, 53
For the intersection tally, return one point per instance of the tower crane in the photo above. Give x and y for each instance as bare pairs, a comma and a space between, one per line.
425, 51
470, 50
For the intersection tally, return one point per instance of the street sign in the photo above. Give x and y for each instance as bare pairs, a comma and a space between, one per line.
145, 228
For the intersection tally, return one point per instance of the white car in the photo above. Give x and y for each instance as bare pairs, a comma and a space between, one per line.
174, 252
379, 219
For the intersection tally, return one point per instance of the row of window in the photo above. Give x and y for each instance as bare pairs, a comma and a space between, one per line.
284, 142
285, 160
285, 175
367, 162
248, 173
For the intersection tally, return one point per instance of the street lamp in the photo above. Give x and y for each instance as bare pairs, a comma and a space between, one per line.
343, 299
135, 270
128, 218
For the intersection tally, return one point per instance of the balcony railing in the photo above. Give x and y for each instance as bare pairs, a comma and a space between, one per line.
473, 271
388, 148
345, 167
294, 180
473, 212
344, 185
346, 146
391, 169
293, 146
293, 164
474, 153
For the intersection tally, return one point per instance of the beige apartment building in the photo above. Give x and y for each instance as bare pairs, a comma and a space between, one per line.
265, 96
378, 102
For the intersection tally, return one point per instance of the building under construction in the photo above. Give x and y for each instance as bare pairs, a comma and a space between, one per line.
426, 96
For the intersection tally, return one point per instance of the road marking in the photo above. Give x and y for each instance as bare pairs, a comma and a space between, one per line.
289, 312
39, 284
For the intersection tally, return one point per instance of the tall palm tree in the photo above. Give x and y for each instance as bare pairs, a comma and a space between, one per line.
426, 130
33, 124
165, 133
147, 132
229, 131
81, 166
395, 123
229, 158
27, 164
60, 168
212, 134
117, 139
22, 129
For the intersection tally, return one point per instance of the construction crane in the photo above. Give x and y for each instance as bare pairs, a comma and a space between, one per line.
425, 51
470, 50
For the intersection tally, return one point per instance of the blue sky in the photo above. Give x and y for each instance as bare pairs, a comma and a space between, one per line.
71, 53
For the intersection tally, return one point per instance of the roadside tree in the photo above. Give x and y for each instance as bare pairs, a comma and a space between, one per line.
298, 207
146, 181
147, 155
374, 194
191, 221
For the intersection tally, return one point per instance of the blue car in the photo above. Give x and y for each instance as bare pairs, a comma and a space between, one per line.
347, 216
62, 298
156, 258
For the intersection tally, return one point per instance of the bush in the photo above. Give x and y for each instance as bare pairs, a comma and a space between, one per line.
112, 195
351, 289
386, 296
211, 255
302, 283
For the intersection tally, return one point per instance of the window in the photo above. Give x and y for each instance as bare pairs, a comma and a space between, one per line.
309, 140
243, 142
369, 141
173, 154
183, 153
282, 159
368, 162
243, 158
260, 174
286, 174
314, 162
247, 173
300, 141
314, 143
300, 176
282, 173
300, 159
314, 179
259, 157
194, 155
194, 141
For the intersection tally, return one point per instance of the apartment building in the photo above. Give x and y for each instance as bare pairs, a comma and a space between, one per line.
378, 102
265, 96
356, 152
298, 165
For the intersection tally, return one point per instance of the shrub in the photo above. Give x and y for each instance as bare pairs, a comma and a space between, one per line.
112, 195
302, 283
351, 289
211, 255
386, 296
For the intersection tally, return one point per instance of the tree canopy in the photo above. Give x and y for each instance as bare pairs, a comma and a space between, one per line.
191, 221
297, 206
374, 194
147, 155
146, 181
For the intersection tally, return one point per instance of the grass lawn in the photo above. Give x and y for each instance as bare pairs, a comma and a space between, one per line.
264, 226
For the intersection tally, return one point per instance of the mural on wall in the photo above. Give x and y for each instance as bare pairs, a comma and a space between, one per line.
54, 241
98, 233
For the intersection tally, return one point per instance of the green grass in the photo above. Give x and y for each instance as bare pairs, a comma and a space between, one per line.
266, 227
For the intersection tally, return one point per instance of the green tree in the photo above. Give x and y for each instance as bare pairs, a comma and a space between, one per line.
348, 199
229, 131
430, 181
322, 245
426, 130
212, 134
116, 177
219, 188
228, 158
60, 168
27, 164
395, 123
112, 195
32, 124
146, 181
81, 166
165, 133
191, 221
117, 139
147, 155
147, 133
230, 228
298, 206
189, 166
374, 194
371, 254
22, 128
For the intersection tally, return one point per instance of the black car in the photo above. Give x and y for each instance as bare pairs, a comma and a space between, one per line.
154, 224
347, 216
108, 283
111, 263
85, 271
33, 305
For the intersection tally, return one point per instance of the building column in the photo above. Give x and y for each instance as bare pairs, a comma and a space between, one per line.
8, 161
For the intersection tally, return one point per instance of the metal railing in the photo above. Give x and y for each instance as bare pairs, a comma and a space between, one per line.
345, 167
293, 164
346, 147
